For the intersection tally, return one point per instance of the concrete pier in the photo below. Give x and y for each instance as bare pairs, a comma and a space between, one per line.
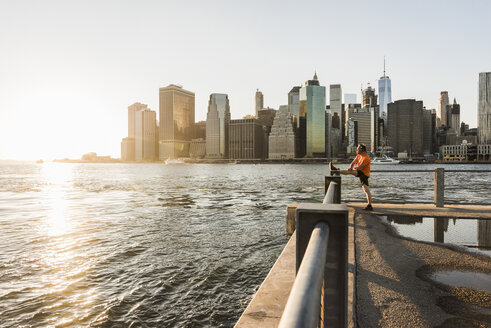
388, 277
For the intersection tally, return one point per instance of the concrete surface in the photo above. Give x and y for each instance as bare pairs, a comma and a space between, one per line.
388, 285
392, 285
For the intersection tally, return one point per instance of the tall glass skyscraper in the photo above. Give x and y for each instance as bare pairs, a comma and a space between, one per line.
384, 94
313, 109
176, 110
217, 126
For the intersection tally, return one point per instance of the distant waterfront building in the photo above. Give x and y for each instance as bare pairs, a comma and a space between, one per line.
265, 117
453, 116
132, 110
294, 101
369, 97
217, 121
365, 123
385, 94
335, 99
348, 110
258, 102
282, 135
128, 149
145, 122
246, 139
336, 108
484, 109
405, 127
442, 108
197, 148
429, 131
313, 110
349, 98
200, 130
176, 109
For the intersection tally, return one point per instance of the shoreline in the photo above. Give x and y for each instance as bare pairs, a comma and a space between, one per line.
263, 161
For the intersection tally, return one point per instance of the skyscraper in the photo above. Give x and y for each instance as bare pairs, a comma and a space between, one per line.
133, 144
366, 120
442, 108
335, 99
132, 109
428, 131
217, 121
246, 139
484, 109
145, 122
369, 97
313, 109
385, 93
293, 100
282, 136
405, 126
258, 102
176, 109
453, 117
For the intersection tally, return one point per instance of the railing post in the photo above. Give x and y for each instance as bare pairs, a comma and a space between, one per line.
439, 187
337, 195
336, 266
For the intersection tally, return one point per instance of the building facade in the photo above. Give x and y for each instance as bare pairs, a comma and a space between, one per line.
217, 121
453, 117
313, 109
405, 127
484, 109
282, 136
294, 100
128, 149
335, 100
369, 97
176, 110
246, 139
146, 121
429, 131
364, 128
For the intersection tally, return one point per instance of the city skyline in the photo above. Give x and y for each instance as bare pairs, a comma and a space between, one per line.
65, 86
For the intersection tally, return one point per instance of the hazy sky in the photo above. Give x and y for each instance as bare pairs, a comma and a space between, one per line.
69, 69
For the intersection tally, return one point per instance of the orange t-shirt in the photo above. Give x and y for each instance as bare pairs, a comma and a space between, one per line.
363, 159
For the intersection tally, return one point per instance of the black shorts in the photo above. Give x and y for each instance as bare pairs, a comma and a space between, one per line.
363, 178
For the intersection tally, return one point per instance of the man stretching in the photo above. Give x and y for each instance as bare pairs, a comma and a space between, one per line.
360, 167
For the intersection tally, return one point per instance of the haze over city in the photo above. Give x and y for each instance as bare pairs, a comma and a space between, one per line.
69, 70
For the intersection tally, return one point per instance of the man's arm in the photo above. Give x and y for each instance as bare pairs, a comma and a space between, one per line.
352, 164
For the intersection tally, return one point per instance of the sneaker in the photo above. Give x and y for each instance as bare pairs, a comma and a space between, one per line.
334, 170
368, 208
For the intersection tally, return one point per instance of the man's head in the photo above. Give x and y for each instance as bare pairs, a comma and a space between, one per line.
361, 149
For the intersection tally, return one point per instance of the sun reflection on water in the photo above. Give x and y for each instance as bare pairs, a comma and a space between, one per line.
63, 258
58, 179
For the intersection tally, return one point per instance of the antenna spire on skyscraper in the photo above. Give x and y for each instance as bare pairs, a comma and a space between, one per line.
384, 66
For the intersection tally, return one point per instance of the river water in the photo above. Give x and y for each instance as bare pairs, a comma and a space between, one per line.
121, 245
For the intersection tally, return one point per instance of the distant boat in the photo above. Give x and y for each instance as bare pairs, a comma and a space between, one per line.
384, 160
174, 161
40, 161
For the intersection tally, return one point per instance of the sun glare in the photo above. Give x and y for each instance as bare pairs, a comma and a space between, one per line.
58, 179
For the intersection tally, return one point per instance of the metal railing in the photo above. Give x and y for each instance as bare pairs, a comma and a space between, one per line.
319, 272
439, 187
